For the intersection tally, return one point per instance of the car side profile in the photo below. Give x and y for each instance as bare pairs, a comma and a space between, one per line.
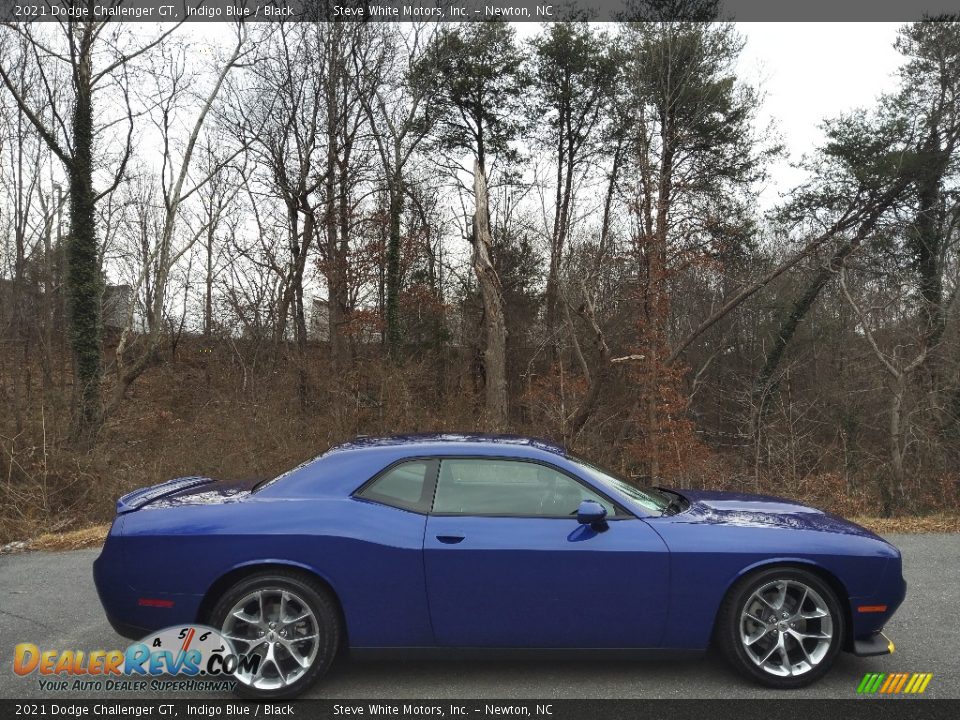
451, 542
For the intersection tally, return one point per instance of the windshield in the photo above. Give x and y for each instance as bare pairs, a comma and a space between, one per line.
650, 498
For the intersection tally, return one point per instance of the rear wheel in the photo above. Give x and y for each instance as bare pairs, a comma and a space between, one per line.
287, 620
782, 627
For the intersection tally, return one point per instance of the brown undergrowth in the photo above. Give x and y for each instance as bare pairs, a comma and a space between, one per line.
233, 413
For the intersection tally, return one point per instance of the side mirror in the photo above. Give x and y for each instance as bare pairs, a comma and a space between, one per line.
591, 512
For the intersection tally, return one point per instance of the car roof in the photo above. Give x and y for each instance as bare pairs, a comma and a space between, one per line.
344, 466
449, 442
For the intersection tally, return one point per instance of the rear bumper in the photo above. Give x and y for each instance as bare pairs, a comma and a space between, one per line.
132, 613
876, 644
112, 592
131, 632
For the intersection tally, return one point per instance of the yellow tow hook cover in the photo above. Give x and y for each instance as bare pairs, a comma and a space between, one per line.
890, 646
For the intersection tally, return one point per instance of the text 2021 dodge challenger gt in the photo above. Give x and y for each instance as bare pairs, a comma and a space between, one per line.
460, 541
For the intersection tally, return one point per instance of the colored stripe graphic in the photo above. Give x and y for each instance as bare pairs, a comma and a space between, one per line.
864, 683
888, 683
894, 683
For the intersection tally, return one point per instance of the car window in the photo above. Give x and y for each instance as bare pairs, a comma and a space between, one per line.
508, 487
401, 486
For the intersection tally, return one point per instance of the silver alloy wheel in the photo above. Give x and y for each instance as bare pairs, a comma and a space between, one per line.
786, 628
278, 626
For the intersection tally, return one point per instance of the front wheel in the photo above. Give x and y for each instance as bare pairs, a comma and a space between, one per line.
782, 627
288, 622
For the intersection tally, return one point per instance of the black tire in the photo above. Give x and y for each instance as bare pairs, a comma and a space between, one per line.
320, 602
729, 632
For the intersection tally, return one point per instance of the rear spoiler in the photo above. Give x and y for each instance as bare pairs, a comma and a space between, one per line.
144, 496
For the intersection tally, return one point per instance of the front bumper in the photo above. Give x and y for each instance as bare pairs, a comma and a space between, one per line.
876, 644
870, 614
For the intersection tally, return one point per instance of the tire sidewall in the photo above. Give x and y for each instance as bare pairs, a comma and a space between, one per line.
730, 631
319, 602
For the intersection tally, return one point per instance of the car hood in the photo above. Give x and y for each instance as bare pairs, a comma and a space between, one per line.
728, 508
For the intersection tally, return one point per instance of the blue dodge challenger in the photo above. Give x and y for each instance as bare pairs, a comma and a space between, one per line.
453, 542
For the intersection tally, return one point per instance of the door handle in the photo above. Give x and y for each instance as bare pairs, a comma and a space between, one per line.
450, 539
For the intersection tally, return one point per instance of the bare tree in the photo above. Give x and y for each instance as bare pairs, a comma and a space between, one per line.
338, 47
177, 186
283, 127
494, 325
399, 117
899, 371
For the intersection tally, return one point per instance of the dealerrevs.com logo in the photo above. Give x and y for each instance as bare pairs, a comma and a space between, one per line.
201, 657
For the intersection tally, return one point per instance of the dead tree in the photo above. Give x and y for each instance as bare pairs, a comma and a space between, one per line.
495, 328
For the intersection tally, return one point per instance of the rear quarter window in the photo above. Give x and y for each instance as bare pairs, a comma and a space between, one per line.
402, 486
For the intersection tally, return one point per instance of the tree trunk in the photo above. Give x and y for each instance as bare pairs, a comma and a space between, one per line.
494, 356
336, 209
393, 265
84, 283
866, 218
208, 287
657, 303
927, 238
561, 222
762, 387
597, 379
300, 320
896, 492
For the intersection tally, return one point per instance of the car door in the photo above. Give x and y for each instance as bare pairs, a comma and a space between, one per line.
508, 565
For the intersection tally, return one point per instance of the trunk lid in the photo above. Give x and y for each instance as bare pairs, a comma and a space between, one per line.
194, 490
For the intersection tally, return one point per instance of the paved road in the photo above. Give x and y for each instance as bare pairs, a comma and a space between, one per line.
49, 599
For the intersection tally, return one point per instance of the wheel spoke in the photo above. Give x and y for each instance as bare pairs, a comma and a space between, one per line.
249, 619
301, 660
239, 638
257, 646
782, 596
803, 649
268, 657
769, 642
769, 655
279, 616
784, 656
764, 631
766, 602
